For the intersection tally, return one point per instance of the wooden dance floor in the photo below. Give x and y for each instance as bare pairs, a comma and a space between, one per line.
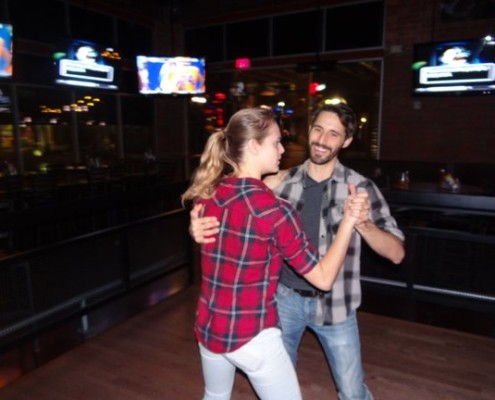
153, 356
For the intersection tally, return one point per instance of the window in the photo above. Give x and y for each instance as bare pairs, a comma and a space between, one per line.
248, 39
286, 91
90, 25
97, 126
41, 21
44, 126
7, 152
33, 69
297, 33
205, 42
363, 27
133, 39
137, 123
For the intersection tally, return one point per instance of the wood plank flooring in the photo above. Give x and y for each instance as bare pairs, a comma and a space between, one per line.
154, 356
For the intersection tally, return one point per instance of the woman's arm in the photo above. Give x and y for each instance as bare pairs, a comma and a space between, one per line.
323, 275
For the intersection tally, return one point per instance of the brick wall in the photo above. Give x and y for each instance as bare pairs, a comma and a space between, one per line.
441, 129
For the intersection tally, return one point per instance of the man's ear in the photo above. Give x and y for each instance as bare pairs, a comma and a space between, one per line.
347, 142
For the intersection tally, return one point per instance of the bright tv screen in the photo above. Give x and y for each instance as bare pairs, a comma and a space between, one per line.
455, 67
6, 50
170, 75
86, 64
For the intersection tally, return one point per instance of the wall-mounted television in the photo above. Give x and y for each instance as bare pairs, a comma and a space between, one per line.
86, 64
6, 50
171, 75
455, 67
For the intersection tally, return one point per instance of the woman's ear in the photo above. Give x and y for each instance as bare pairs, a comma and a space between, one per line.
252, 146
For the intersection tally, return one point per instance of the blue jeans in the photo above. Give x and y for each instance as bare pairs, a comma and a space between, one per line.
264, 360
340, 342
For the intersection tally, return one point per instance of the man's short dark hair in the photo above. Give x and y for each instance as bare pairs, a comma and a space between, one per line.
346, 115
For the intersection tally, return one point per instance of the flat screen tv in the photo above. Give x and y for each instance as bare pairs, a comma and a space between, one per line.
6, 50
171, 75
86, 64
456, 67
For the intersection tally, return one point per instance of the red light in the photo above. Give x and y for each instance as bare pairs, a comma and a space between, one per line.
220, 121
312, 87
242, 63
220, 96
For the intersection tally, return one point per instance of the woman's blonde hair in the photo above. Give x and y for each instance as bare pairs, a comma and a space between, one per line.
224, 149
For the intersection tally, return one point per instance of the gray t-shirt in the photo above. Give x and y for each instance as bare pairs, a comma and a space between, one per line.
310, 216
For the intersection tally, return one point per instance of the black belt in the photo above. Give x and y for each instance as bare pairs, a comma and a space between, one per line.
309, 293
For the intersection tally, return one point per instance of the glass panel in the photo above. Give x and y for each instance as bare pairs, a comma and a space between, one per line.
254, 44
205, 42
134, 39
40, 21
357, 83
366, 29
137, 121
44, 127
97, 127
287, 91
297, 33
33, 69
90, 25
8, 160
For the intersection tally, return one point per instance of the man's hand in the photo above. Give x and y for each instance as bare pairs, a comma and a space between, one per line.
364, 214
202, 229
357, 205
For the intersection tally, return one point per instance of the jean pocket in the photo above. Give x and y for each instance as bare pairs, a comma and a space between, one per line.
283, 291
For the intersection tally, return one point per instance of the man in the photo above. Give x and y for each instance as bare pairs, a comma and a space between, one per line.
317, 189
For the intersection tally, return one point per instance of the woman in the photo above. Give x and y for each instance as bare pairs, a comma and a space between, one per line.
236, 323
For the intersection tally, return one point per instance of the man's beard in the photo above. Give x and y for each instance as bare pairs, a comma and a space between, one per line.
319, 160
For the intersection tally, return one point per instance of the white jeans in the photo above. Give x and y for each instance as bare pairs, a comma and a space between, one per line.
264, 360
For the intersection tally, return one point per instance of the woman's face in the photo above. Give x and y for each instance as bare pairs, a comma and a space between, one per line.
270, 151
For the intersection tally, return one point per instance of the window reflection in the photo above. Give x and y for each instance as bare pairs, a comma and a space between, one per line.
44, 128
48, 119
137, 126
7, 153
294, 93
97, 126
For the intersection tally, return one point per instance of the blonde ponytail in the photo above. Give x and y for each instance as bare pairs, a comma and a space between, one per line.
224, 150
213, 165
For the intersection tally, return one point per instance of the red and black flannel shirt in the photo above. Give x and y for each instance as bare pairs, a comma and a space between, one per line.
241, 269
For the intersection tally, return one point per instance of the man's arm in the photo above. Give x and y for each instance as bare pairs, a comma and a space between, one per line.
202, 229
383, 243
379, 237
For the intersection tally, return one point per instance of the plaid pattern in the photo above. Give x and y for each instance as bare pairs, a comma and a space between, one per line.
345, 295
241, 269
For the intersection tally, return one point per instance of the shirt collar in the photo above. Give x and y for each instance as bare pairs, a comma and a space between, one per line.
297, 174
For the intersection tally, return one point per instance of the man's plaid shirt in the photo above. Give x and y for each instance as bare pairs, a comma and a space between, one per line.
345, 295
241, 269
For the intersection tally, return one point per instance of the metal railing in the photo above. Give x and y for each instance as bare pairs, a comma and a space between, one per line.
43, 287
